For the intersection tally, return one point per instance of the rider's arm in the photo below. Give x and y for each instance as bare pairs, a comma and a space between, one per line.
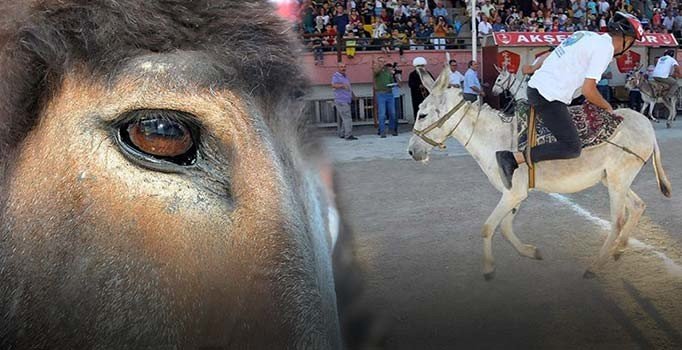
592, 94
531, 68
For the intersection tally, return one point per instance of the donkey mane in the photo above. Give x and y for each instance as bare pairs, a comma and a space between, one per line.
43, 40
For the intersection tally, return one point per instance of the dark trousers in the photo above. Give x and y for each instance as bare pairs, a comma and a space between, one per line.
635, 100
556, 118
470, 97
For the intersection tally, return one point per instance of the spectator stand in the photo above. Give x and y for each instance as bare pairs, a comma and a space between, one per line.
515, 49
319, 98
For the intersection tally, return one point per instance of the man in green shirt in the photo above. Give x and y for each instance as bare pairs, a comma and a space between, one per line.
383, 81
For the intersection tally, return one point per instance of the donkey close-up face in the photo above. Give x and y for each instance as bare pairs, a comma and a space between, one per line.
429, 125
157, 184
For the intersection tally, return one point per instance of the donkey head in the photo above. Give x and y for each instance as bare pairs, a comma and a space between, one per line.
431, 122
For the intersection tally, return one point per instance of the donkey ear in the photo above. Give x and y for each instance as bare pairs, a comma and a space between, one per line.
447, 60
498, 68
443, 80
426, 78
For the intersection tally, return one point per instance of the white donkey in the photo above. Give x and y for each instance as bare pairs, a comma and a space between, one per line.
482, 132
650, 96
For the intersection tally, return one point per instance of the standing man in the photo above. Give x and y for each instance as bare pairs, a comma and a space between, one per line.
456, 78
340, 20
343, 95
603, 85
417, 90
472, 86
578, 61
667, 71
383, 81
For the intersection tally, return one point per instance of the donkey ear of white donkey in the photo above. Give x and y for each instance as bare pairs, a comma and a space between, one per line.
497, 68
443, 80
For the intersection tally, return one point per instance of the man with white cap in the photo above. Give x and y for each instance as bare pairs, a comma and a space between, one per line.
417, 89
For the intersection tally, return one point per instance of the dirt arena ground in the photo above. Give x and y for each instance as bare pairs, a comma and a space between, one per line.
417, 239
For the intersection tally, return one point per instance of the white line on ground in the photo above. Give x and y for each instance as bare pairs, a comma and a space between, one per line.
670, 264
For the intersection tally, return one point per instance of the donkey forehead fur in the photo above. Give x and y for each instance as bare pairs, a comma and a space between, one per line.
248, 47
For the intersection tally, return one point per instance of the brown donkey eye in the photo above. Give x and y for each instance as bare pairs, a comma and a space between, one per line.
160, 137
162, 140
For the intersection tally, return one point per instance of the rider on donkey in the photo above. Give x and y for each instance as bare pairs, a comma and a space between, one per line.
578, 62
667, 71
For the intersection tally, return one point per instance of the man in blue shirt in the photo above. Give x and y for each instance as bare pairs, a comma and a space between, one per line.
603, 85
472, 86
343, 95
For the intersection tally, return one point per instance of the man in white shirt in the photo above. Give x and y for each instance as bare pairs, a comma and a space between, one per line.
456, 78
484, 28
578, 61
667, 71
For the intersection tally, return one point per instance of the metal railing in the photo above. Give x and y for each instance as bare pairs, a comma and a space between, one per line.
372, 44
323, 113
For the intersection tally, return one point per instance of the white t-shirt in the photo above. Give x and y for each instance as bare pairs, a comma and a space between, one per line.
456, 78
664, 66
583, 55
484, 28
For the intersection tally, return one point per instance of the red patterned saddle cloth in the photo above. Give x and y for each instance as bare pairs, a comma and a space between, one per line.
595, 125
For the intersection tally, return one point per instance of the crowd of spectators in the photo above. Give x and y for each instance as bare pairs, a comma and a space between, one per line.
427, 24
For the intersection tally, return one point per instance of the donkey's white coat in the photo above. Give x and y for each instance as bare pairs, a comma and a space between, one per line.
486, 133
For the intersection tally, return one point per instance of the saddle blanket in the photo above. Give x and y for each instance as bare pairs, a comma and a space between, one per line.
595, 125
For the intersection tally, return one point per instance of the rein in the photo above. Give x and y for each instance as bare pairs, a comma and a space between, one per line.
512, 101
440, 122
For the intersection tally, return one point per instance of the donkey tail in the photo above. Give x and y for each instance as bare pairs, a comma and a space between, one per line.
663, 182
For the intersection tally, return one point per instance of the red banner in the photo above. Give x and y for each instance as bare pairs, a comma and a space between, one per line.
628, 61
509, 60
553, 39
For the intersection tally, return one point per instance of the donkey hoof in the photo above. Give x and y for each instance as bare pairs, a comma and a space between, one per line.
589, 275
668, 125
489, 276
617, 255
537, 255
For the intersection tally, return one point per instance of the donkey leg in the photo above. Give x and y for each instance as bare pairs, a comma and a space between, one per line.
506, 226
635, 207
617, 194
672, 111
504, 206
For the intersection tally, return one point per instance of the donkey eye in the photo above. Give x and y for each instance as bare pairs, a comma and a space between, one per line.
158, 139
422, 116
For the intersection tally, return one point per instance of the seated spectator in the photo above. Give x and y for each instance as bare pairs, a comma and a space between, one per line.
498, 26
367, 13
329, 38
440, 10
354, 18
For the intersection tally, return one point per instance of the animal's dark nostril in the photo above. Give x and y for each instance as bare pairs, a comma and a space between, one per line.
410, 152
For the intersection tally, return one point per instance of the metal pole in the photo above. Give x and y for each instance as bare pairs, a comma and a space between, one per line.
473, 30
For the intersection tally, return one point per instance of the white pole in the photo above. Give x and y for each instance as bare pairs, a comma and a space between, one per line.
473, 30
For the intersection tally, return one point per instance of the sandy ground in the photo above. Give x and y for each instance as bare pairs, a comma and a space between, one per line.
417, 239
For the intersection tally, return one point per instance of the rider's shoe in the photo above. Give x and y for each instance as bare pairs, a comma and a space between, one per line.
507, 164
